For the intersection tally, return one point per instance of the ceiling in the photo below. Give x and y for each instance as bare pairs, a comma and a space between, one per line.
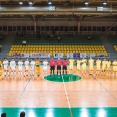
63, 8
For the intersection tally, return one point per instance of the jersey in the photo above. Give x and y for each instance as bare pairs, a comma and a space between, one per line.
108, 64
71, 62
20, 64
12, 64
98, 62
52, 63
26, 63
5, 63
45, 63
64, 62
58, 62
114, 63
91, 61
84, 62
78, 64
32, 63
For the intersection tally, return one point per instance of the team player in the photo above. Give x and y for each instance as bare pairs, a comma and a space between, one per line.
91, 62
84, 61
98, 66
71, 65
114, 63
26, 63
64, 65
13, 65
78, 62
32, 64
104, 62
52, 66
45, 66
38, 67
108, 64
5, 66
58, 63
20, 64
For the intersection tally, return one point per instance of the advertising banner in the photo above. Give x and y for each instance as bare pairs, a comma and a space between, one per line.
58, 55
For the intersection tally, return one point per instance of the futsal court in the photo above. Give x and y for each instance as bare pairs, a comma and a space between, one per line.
90, 96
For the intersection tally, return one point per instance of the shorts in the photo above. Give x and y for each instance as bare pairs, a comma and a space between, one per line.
58, 67
5, 67
114, 69
98, 68
20, 68
32, 68
71, 67
91, 67
83, 67
103, 68
12, 68
26, 67
44, 68
52, 67
64, 67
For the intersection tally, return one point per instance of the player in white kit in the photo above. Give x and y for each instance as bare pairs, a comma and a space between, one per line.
26, 63
13, 65
20, 64
45, 66
5, 66
32, 65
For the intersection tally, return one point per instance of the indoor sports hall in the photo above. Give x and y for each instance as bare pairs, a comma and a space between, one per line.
58, 58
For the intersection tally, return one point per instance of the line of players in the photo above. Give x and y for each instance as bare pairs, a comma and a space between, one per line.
101, 66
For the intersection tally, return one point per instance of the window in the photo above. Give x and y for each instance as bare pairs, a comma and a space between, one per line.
9, 28
75, 28
71, 28
28, 28
99, 29
0, 28
42, 28
47, 28
23, 27
94, 28
112, 28
14, 28
19, 28
32, 28
66, 28
56, 28
61, 28
52, 28
89, 28
38, 28
4, 28
103, 28
85, 28
81, 28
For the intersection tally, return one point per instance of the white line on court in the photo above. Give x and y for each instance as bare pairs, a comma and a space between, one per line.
67, 97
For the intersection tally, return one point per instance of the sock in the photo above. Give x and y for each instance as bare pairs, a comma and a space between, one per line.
57, 72
33, 72
14, 73
63, 72
21, 73
66, 72
5, 73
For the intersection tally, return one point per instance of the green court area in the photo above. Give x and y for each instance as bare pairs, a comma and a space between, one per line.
62, 112
63, 78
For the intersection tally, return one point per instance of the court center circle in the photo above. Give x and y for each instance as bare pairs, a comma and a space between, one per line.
61, 78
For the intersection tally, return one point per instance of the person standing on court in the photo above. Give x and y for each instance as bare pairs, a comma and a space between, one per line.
58, 63
52, 66
71, 65
64, 64
91, 62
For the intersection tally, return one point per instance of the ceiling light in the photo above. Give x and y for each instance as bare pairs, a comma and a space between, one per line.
30, 3
104, 3
49, 2
20, 2
86, 3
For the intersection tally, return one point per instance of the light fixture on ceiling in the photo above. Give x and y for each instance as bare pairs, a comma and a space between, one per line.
49, 2
20, 2
30, 2
104, 3
86, 3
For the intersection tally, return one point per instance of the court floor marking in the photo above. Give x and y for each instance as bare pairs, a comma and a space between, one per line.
67, 98
25, 87
103, 86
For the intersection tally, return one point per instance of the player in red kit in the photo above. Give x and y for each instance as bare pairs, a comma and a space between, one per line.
52, 66
64, 63
58, 63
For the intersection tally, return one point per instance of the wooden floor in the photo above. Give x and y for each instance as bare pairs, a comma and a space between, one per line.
91, 91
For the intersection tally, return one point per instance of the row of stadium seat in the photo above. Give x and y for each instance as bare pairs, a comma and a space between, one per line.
57, 49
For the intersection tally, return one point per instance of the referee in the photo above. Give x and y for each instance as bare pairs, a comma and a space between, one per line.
52, 66
64, 63
58, 63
